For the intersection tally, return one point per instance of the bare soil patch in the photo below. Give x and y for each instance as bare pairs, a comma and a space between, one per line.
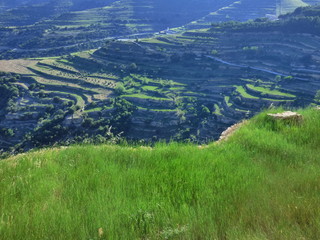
17, 65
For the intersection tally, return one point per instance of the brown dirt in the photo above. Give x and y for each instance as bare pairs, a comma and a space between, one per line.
17, 65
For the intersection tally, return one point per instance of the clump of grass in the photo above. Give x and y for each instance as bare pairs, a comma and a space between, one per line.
263, 183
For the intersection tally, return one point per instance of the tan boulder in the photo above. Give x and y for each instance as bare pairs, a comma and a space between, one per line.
288, 115
229, 131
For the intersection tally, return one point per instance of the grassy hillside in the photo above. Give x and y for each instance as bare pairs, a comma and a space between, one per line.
21, 13
249, 9
263, 183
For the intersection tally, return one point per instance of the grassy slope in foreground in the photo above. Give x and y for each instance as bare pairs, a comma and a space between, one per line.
263, 183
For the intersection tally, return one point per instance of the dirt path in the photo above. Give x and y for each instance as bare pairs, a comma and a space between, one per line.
254, 68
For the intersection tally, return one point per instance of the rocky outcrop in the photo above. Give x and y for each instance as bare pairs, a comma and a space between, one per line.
229, 131
288, 115
73, 120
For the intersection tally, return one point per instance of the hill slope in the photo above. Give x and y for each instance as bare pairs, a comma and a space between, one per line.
263, 183
249, 9
20, 13
190, 85
59, 26
56, 27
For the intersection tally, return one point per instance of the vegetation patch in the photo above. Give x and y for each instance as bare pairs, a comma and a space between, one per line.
261, 183
269, 91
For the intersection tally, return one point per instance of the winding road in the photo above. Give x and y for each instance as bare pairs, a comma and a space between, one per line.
253, 68
124, 37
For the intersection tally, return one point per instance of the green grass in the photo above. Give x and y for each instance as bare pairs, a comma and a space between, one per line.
45, 58
227, 100
79, 100
158, 110
143, 96
269, 91
155, 41
217, 109
243, 93
97, 109
263, 183
150, 88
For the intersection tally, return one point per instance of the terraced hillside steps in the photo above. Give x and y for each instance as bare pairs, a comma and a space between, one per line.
249, 9
244, 87
167, 86
70, 31
59, 27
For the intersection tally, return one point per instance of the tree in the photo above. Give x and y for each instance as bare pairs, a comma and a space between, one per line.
56, 99
214, 52
205, 112
120, 89
133, 67
317, 97
88, 122
50, 108
7, 132
121, 115
277, 79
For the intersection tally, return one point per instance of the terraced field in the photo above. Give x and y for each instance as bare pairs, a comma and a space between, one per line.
21, 13
72, 31
246, 9
228, 76
190, 85
50, 87
90, 28
59, 75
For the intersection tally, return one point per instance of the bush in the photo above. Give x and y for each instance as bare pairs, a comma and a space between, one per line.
120, 89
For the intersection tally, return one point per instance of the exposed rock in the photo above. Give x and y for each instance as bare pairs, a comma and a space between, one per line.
227, 133
288, 115
75, 120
